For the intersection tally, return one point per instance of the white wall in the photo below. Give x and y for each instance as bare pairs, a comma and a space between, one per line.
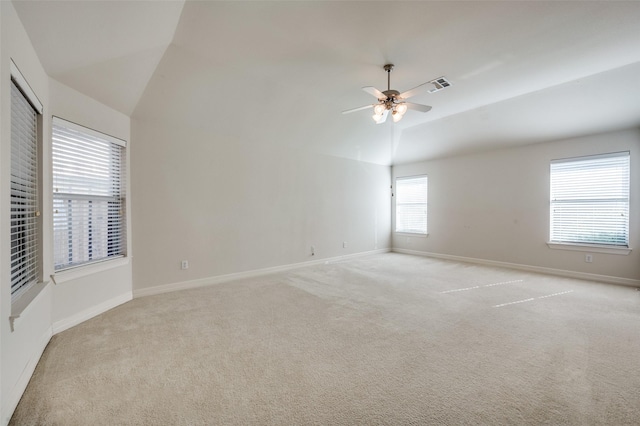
229, 208
77, 296
495, 206
90, 290
238, 191
22, 347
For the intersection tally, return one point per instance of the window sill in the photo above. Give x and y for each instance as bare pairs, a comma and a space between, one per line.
21, 306
411, 234
90, 269
592, 248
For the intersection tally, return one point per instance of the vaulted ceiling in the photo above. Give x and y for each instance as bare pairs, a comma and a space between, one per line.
282, 72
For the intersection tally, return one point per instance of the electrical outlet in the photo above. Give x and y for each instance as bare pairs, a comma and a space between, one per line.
344, 244
588, 258
184, 264
313, 251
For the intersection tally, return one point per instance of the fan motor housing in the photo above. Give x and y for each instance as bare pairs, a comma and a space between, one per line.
390, 94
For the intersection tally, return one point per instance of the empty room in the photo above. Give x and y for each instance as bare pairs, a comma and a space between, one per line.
319, 212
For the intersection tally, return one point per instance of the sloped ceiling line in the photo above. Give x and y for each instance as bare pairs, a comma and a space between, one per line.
290, 68
106, 50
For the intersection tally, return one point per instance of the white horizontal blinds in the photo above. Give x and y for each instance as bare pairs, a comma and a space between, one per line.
88, 195
411, 205
590, 200
24, 194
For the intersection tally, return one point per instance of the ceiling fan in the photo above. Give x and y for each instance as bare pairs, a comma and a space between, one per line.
394, 101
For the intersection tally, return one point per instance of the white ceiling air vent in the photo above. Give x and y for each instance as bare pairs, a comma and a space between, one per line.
439, 83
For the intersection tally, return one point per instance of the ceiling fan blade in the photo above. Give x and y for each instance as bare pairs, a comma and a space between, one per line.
375, 92
357, 109
384, 117
412, 92
418, 107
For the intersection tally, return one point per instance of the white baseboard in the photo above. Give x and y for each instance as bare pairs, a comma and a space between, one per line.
539, 269
204, 282
11, 402
91, 312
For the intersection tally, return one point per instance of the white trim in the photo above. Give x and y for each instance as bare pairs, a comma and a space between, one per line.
80, 271
411, 234
205, 282
411, 177
22, 83
87, 314
591, 157
80, 128
21, 306
11, 402
593, 248
539, 269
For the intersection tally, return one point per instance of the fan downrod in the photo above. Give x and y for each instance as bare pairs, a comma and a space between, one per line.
390, 94
388, 68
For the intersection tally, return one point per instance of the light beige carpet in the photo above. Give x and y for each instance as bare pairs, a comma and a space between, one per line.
384, 339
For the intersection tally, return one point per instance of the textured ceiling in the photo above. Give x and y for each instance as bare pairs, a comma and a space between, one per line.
281, 72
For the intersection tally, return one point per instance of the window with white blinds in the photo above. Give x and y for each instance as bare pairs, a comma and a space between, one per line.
24, 194
590, 200
88, 195
411, 205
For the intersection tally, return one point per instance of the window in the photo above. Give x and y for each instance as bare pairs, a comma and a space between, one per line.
88, 195
25, 222
411, 205
590, 200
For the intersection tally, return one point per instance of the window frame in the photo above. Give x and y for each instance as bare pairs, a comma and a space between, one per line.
397, 204
18, 299
72, 270
585, 246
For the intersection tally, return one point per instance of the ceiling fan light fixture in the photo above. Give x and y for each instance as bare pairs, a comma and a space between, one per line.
391, 101
379, 109
401, 108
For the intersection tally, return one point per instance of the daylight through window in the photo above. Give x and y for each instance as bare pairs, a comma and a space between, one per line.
590, 200
24, 194
411, 205
88, 195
